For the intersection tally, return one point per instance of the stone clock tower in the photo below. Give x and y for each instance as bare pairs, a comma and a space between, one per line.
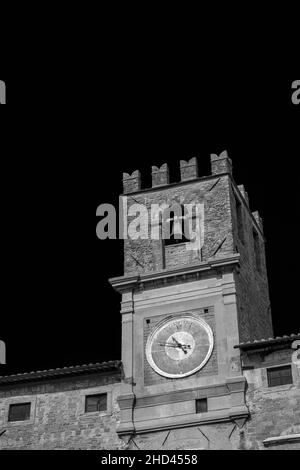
184, 309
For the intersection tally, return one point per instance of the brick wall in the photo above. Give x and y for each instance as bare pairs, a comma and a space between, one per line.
176, 255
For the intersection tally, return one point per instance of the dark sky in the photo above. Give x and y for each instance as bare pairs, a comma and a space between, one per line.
58, 308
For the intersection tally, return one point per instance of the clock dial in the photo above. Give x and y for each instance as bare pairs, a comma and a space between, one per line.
179, 346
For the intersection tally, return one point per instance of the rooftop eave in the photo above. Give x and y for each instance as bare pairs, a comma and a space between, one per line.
104, 367
267, 343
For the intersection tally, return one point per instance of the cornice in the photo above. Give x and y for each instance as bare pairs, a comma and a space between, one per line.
128, 283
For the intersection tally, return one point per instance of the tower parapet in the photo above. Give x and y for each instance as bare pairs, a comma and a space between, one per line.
132, 183
160, 176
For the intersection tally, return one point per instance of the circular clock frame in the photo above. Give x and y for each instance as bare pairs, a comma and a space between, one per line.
162, 324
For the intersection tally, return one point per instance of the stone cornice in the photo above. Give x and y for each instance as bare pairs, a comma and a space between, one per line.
128, 283
232, 385
179, 422
237, 410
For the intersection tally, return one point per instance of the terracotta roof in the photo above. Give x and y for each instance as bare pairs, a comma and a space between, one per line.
65, 371
267, 342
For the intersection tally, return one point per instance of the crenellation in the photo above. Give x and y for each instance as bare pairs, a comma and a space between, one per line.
221, 163
189, 169
160, 176
132, 183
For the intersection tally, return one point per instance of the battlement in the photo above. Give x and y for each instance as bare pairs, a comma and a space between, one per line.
220, 164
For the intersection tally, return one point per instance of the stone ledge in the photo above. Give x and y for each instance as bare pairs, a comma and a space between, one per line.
126, 283
177, 396
279, 440
183, 421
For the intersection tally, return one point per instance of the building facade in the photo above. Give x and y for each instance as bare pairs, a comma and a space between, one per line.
195, 371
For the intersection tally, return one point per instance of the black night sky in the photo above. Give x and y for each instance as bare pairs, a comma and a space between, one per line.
58, 308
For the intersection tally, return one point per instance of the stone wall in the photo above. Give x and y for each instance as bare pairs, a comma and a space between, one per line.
146, 255
274, 411
254, 311
223, 436
58, 419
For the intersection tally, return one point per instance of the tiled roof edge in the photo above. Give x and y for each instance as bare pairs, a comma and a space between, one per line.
266, 342
61, 372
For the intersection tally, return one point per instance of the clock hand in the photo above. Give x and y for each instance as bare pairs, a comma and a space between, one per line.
184, 347
170, 345
180, 345
184, 350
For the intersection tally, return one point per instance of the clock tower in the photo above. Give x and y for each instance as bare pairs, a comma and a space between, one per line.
187, 302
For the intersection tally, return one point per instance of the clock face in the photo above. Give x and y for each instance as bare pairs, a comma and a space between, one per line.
179, 346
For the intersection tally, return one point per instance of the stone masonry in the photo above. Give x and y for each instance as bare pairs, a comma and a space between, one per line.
248, 405
58, 419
